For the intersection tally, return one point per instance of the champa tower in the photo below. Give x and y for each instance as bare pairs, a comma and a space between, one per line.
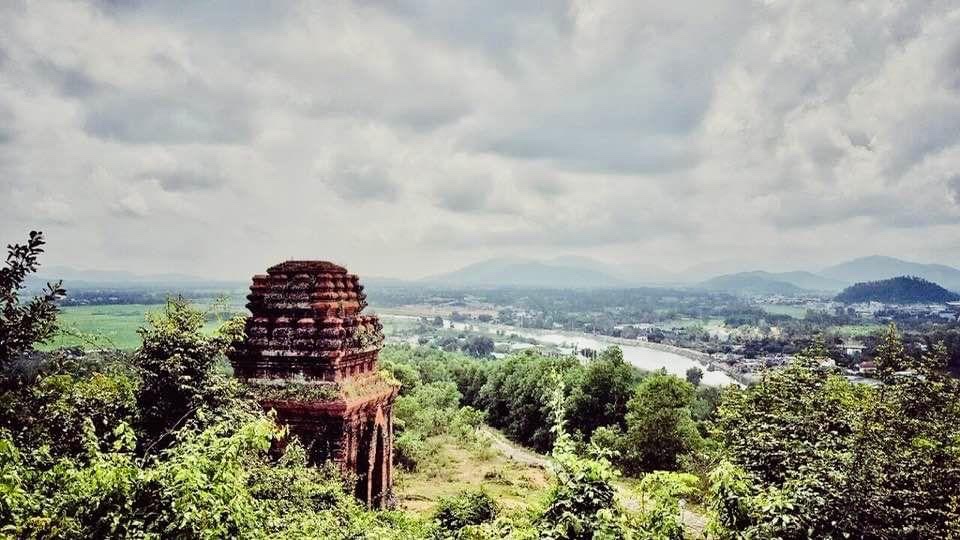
312, 356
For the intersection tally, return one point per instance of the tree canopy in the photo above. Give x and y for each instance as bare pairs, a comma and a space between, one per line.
898, 290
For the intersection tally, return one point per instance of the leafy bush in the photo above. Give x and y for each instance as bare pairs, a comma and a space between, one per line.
13, 497
662, 494
580, 503
179, 368
64, 403
410, 450
462, 510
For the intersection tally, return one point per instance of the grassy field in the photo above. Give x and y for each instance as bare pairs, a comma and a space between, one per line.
115, 326
110, 326
797, 312
515, 485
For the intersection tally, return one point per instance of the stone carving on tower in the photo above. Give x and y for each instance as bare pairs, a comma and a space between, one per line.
310, 355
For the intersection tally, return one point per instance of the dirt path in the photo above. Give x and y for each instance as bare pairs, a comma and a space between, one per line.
513, 451
692, 521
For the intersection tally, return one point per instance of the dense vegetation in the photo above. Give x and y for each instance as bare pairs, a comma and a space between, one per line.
813, 455
898, 290
163, 443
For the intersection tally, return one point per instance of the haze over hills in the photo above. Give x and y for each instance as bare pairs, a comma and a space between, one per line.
75, 279
580, 272
568, 271
526, 273
783, 283
643, 274
878, 267
833, 278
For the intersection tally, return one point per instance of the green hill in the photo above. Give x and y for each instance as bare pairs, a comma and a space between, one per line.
898, 290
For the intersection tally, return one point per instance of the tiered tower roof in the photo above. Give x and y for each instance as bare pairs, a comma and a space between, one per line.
307, 325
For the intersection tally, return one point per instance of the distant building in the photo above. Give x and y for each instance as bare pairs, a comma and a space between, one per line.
868, 368
853, 348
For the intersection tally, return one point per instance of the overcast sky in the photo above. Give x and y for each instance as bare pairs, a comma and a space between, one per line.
408, 137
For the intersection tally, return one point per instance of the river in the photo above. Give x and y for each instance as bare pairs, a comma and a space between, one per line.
645, 357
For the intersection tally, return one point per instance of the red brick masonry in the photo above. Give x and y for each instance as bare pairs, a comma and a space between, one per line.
314, 358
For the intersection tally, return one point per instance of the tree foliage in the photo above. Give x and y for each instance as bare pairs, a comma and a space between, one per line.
24, 324
178, 364
898, 290
813, 455
599, 397
478, 346
660, 427
516, 399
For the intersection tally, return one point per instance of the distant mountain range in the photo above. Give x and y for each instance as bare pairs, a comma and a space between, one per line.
580, 272
876, 268
561, 273
767, 283
833, 278
569, 272
898, 290
75, 279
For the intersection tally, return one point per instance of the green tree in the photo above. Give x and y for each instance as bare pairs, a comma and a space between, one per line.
518, 401
581, 503
890, 355
814, 455
599, 397
906, 447
479, 346
659, 425
694, 375
24, 324
178, 363
470, 376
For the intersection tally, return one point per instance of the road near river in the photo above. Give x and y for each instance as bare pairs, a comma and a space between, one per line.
649, 357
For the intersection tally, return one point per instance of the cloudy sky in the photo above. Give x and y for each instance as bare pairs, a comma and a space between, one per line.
408, 137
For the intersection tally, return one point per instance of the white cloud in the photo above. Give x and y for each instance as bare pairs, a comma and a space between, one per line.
383, 134
131, 205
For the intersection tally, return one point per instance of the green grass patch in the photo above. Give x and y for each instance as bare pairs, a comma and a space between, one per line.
797, 312
514, 485
109, 326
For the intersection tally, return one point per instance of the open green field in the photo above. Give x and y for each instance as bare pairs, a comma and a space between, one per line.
797, 312
109, 326
115, 326
515, 484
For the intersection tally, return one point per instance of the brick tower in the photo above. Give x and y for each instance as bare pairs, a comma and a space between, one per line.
312, 357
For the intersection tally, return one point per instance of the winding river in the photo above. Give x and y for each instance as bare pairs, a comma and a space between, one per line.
646, 357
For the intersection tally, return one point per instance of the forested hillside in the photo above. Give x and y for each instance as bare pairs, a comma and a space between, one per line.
899, 290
